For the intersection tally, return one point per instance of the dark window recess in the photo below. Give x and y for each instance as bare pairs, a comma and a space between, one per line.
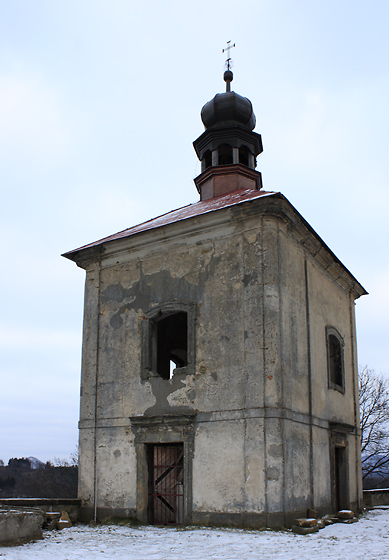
340, 482
207, 159
335, 360
224, 154
244, 155
166, 484
168, 340
170, 343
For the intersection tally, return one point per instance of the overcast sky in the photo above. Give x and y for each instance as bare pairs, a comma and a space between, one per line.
99, 104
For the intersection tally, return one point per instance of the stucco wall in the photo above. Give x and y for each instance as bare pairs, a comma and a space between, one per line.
260, 387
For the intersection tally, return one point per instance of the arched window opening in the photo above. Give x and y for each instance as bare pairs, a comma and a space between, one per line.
244, 155
170, 343
335, 360
225, 154
207, 158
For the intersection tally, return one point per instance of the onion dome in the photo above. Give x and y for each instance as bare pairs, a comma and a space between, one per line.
228, 109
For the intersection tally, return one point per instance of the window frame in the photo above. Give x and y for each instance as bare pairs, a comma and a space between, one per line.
332, 332
148, 338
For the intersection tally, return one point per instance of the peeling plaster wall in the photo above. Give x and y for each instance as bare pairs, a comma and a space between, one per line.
116, 468
259, 389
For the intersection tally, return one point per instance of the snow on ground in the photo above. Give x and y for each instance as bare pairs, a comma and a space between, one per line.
368, 540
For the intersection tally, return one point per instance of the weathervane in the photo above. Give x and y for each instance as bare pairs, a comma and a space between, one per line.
228, 76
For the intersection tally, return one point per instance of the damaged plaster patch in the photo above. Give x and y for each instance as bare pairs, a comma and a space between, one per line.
250, 278
169, 393
116, 293
276, 451
116, 320
185, 395
272, 473
156, 288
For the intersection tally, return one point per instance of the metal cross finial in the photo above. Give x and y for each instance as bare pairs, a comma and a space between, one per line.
227, 50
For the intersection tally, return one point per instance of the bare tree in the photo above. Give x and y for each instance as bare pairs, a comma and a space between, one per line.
374, 411
72, 461
74, 457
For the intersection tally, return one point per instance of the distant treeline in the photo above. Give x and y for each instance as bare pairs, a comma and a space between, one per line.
21, 479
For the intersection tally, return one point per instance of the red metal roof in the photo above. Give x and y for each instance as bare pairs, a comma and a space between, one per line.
190, 211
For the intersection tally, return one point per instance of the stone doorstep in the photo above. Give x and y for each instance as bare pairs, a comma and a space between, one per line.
304, 530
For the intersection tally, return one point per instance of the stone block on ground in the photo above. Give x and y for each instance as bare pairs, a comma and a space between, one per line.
64, 521
345, 514
304, 530
306, 522
18, 527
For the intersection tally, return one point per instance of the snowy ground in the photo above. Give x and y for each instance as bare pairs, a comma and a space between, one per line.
367, 539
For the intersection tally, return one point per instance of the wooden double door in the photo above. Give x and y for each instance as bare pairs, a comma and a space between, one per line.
166, 483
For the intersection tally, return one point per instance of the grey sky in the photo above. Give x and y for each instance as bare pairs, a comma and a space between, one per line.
99, 105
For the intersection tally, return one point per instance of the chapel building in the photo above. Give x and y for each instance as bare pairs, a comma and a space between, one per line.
219, 364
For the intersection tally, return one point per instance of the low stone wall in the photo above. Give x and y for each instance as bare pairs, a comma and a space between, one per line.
379, 497
21, 519
19, 526
70, 505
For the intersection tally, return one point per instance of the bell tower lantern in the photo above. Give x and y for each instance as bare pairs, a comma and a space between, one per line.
228, 147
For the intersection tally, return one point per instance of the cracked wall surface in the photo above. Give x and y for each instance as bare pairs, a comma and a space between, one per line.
258, 392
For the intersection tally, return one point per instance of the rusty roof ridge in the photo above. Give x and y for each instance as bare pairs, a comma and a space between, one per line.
236, 197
